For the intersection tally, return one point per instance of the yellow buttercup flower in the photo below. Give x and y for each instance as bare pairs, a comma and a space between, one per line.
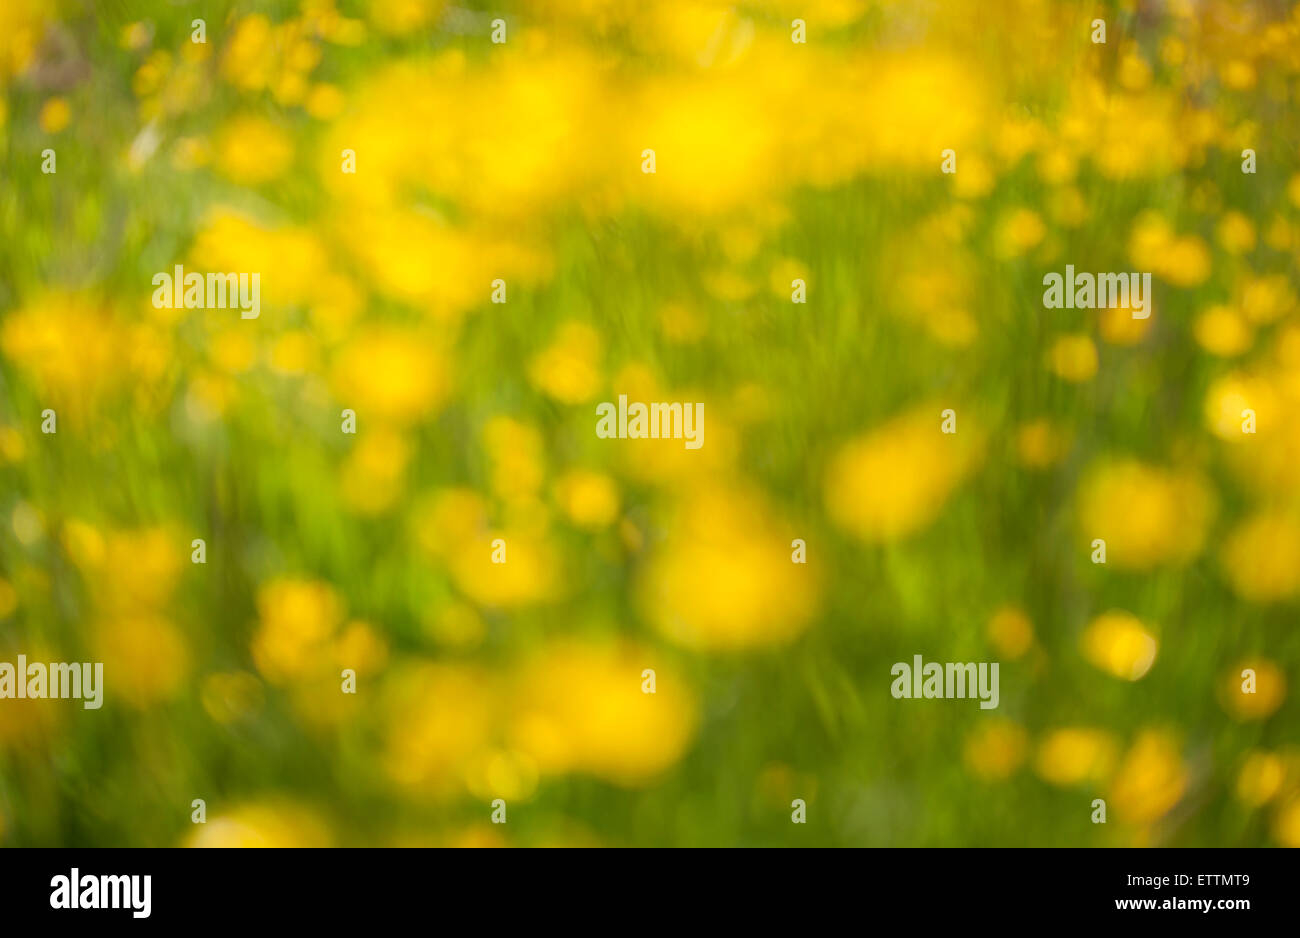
895, 480
293, 264
996, 749
1253, 689
1040, 444
1073, 755
147, 659
1120, 644
1266, 299
1118, 327
262, 824
584, 708
569, 368
1221, 331
373, 478
1261, 778
1236, 233
1018, 232
589, 499
251, 150
71, 344
529, 571
55, 115
723, 578
1147, 515
391, 374
1286, 823
1151, 779
1073, 358
517, 456
297, 620
1261, 557
441, 720
1011, 632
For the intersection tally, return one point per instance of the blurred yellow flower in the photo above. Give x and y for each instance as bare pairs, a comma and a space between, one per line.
1253, 689
895, 479
582, 708
250, 150
517, 455
723, 577
22, 26
1236, 233
1010, 631
55, 115
1265, 299
71, 344
1220, 331
229, 241
147, 658
1118, 643
404, 17
8, 599
1260, 778
589, 499
1040, 444
530, 570
324, 102
996, 749
1072, 755
569, 368
1146, 515
1151, 779
269, 824
373, 478
296, 620
389, 374
360, 647
1018, 232
1073, 358
1261, 557
785, 271
440, 719
1286, 824
1118, 327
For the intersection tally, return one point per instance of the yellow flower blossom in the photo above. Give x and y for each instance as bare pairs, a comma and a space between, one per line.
147, 657
895, 479
262, 825
569, 368
250, 150
1147, 515
723, 578
1260, 778
1261, 557
1253, 689
1151, 779
1073, 358
391, 374
1119, 643
1074, 755
1221, 331
1010, 631
589, 499
297, 618
581, 708
996, 749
